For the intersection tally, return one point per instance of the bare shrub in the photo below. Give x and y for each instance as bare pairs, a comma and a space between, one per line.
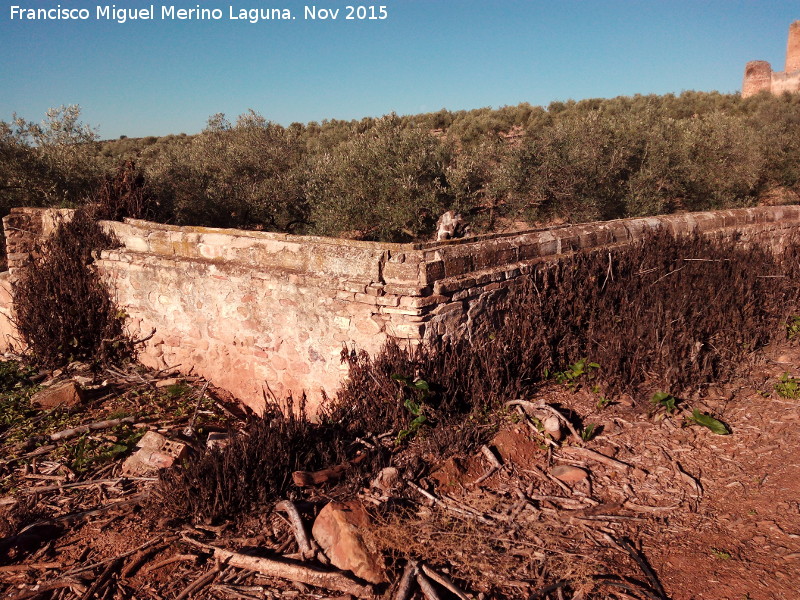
253, 471
63, 310
661, 314
125, 194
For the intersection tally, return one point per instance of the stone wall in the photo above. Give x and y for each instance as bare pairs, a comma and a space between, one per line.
256, 311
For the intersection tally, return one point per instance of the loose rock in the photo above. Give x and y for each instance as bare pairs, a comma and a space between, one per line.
66, 395
569, 474
339, 530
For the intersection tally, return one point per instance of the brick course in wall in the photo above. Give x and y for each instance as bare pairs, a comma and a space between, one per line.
262, 312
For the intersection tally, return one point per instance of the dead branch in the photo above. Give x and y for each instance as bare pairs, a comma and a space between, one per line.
297, 526
444, 581
427, 587
332, 580
329, 475
601, 458
56, 584
29, 567
75, 484
644, 566
199, 583
68, 433
540, 405
404, 588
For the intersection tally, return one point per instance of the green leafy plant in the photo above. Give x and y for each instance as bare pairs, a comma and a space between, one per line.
589, 432
664, 400
788, 387
415, 405
574, 372
713, 424
721, 553
793, 327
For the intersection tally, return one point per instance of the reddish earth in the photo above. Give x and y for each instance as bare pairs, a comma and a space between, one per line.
716, 517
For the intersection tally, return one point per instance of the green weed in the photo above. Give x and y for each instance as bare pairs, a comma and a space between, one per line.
664, 400
415, 406
793, 327
721, 554
788, 387
589, 432
572, 374
710, 422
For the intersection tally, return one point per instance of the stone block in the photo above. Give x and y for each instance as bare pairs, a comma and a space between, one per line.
340, 530
154, 452
65, 395
400, 272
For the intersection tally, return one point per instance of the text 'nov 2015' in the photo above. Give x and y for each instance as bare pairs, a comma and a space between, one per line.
121, 14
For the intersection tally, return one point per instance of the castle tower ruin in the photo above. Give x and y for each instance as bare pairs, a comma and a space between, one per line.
759, 76
793, 48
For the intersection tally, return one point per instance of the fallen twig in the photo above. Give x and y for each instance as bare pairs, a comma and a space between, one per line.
332, 580
444, 581
56, 584
404, 587
68, 433
601, 458
297, 526
427, 588
644, 566
199, 583
74, 484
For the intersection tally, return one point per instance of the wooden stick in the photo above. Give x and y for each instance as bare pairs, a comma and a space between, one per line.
601, 458
297, 526
52, 585
404, 588
68, 433
444, 581
540, 405
450, 506
29, 566
487, 452
199, 583
74, 484
427, 587
331, 580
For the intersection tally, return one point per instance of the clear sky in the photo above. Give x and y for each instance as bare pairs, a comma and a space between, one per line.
161, 76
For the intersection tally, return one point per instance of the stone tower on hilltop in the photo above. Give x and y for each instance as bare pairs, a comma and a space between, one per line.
759, 76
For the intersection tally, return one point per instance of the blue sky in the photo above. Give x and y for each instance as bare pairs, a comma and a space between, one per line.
159, 76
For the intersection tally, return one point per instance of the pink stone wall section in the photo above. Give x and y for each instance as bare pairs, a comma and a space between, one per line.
255, 311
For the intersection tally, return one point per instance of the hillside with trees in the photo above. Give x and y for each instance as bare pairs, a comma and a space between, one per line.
390, 178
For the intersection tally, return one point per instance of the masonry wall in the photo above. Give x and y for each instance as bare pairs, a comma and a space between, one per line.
759, 76
254, 311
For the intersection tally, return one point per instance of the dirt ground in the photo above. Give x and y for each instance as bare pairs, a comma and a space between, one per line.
658, 508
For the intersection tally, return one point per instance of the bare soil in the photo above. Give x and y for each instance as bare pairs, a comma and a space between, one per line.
701, 515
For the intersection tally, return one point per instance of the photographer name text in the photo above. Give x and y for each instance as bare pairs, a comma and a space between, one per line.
111, 12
